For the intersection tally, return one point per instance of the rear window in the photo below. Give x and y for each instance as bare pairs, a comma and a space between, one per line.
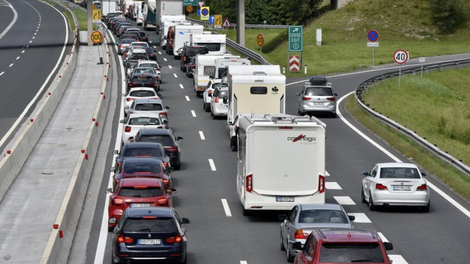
140, 192
209, 70
322, 216
148, 107
399, 173
319, 91
142, 121
148, 65
222, 94
143, 78
212, 46
142, 168
150, 224
147, 70
142, 152
162, 139
351, 253
143, 93
258, 90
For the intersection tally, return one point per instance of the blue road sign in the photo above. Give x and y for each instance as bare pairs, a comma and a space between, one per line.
205, 12
212, 19
373, 35
199, 12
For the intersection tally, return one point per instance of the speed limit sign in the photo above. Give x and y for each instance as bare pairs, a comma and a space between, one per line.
400, 56
96, 36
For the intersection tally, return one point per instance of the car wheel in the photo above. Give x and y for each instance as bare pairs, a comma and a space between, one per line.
372, 206
178, 165
110, 228
198, 94
282, 244
208, 107
113, 261
363, 197
333, 115
289, 256
233, 143
427, 207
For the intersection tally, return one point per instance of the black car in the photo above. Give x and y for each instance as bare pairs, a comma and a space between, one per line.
150, 233
188, 52
167, 138
143, 80
151, 53
191, 67
141, 150
143, 36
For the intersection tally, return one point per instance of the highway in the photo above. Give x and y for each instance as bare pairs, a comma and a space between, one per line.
219, 233
33, 42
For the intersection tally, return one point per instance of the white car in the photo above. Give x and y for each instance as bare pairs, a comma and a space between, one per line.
139, 92
219, 103
140, 44
148, 105
134, 122
395, 183
207, 94
153, 64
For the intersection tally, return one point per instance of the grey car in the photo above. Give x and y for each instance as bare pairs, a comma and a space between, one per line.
317, 95
304, 218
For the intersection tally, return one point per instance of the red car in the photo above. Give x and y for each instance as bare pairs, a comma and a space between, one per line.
343, 246
143, 167
137, 192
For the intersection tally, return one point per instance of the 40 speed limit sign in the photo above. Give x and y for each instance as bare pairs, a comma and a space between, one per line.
400, 56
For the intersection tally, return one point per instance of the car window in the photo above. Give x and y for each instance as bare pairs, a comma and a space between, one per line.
319, 91
399, 173
322, 216
165, 140
142, 93
150, 224
142, 121
142, 152
223, 93
308, 248
212, 46
142, 168
140, 192
351, 252
292, 215
149, 107
373, 172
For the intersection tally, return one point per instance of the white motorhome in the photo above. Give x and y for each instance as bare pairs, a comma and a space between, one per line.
166, 22
205, 69
182, 35
281, 161
214, 43
221, 66
255, 89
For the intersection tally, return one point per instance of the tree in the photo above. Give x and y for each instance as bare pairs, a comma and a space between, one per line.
448, 15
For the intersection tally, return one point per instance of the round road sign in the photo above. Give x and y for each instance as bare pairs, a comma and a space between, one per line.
400, 56
260, 39
205, 12
96, 36
372, 35
189, 9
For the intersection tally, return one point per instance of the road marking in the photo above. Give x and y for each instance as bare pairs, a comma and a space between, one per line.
30, 41
169, 66
161, 54
243, 262
332, 186
174, 74
226, 208
35, 33
15, 17
344, 200
17, 58
22, 51
397, 259
34, 37
165, 59
151, 43
155, 47
360, 218
187, 98
181, 86
211, 162
201, 134
2, 73
10, 65
193, 113
327, 174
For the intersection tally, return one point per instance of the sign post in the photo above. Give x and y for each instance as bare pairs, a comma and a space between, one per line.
373, 37
97, 38
295, 41
400, 57
422, 60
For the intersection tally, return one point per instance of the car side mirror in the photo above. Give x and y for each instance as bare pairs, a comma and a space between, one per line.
179, 138
185, 220
171, 169
388, 246
336, 94
423, 174
121, 121
365, 174
297, 246
282, 217
173, 190
109, 190
167, 107
124, 94
351, 217
225, 100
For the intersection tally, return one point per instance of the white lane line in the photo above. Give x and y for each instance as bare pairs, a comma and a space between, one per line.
151, 42
397, 259
181, 86
155, 48
174, 74
35, 33
226, 208
161, 54
243, 262
22, 51
381, 235
1, 73
344, 200
193, 113
169, 66
165, 59
187, 98
17, 58
332, 186
211, 162
15, 17
30, 41
10, 65
201, 134
327, 174
360, 218
34, 37
393, 157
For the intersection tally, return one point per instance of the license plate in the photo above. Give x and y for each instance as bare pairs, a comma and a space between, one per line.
284, 199
401, 187
318, 103
140, 205
149, 241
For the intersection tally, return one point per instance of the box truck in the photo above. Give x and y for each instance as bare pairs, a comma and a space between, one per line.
167, 7
255, 89
215, 43
107, 7
148, 12
205, 70
281, 161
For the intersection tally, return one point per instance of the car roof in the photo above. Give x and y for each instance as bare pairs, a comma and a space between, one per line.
144, 114
155, 131
396, 164
149, 211
325, 206
150, 182
346, 235
148, 61
142, 145
147, 100
132, 89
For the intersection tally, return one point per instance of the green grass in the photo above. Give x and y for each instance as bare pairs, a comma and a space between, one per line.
82, 18
437, 108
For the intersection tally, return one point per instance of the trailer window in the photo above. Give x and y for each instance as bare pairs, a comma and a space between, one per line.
258, 90
212, 46
209, 70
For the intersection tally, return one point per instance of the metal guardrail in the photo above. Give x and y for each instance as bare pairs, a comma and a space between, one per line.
443, 155
249, 53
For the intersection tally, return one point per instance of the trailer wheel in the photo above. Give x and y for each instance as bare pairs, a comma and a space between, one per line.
233, 143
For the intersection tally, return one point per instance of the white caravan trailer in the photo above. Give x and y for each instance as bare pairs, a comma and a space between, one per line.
183, 34
166, 22
214, 43
255, 89
205, 69
221, 66
281, 161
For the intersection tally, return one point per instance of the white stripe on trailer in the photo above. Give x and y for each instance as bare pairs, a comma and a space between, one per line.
344, 200
332, 186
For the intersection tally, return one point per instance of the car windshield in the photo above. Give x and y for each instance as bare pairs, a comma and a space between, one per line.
319, 91
140, 192
148, 65
145, 70
213, 46
399, 173
165, 140
146, 167
351, 253
209, 70
158, 224
142, 121
222, 94
322, 216
142, 93
143, 78
148, 107
142, 152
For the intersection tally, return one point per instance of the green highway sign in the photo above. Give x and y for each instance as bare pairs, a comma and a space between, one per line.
296, 42
190, 2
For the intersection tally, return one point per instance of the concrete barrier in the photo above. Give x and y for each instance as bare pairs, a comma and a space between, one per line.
60, 241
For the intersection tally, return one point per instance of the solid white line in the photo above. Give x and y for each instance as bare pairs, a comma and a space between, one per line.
187, 98
10, 65
211, 162
226, 208
201, 134
15, 17
182, 87
193, 113
17, 58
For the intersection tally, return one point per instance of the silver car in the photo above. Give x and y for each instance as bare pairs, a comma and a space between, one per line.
303, 218
395, 183
219, 105
317, 95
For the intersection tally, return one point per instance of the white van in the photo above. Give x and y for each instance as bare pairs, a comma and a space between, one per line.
255, 89
216, 44
205, 69
183, 34
281, 161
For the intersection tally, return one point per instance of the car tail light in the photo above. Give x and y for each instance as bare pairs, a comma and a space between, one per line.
209, 91
155, 97
249, 183
132, 84
423, 187
286, 127
123, 239
118, 164
380, 186
130, 99
321, 184
166, 182
173, 149
118, 201
154, 84
164, 164
163, 201
184, 58
163, 114
173, 239
217, 100
128, 129
299, 234
191, 65
306, 98
331, 99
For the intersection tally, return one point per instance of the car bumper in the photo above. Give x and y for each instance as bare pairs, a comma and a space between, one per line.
316, 108
265, 202
220, 111
175, 255
418, 198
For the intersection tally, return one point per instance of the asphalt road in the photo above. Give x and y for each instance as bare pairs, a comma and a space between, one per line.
439, 236
32, 44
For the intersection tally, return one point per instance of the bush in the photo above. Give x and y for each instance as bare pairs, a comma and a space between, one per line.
448, 15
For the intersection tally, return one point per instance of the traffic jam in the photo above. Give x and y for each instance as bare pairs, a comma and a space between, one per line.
141, 216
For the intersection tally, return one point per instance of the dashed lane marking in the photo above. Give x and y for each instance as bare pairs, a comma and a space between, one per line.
211, 162
332, 186
360, 218
193, 113
165, 59
17, 58
181, 86
228, 213
344, 200
201, 134
10, 65
187, 98
174, 74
